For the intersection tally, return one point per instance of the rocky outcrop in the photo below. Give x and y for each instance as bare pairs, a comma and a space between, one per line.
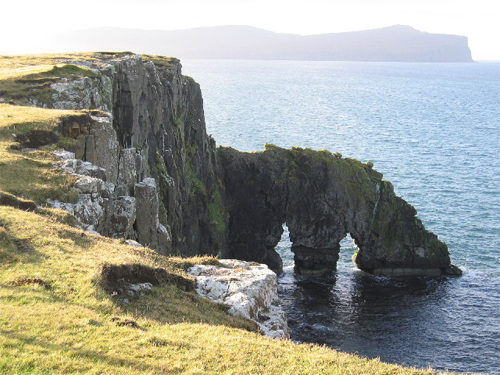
250, 290
150, 231
322, 197
95, 196
147, 171
151, 157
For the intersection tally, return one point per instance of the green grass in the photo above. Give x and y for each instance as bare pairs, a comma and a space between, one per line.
161, 62
68, 328
31, 175
55, 317
71, 319
217, 211
27, 78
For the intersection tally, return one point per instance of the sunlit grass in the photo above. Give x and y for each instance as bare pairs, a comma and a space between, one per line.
31, 175
11, 65
20, 118
18, 72
68, 328
25, 80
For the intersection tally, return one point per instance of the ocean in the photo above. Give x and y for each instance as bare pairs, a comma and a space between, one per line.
433, 130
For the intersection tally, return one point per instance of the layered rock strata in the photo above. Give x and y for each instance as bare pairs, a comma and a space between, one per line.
155, 175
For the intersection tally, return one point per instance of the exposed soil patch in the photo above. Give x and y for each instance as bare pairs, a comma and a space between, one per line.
118, 279
127, 323
7, 199
27, 281
37, 138
74, 125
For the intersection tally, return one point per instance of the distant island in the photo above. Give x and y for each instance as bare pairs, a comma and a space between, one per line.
395, 43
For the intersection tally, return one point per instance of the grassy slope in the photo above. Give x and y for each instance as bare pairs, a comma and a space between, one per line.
29, 174
62, 322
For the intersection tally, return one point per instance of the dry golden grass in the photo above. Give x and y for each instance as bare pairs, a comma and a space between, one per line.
30, 175
14, 119
28, 79
65, 325
17, 66
10, 65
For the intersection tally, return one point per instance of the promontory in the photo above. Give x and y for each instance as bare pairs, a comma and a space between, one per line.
155, 176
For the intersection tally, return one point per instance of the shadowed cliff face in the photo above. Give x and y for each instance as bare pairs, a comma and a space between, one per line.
159, 112
158, 178
322, 197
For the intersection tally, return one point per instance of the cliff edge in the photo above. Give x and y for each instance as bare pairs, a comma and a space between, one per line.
152, 174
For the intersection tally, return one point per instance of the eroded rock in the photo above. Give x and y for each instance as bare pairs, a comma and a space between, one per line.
248, 289
122, 217
82, 93
127, 171
220, 201
322, 197
150, 125
149, 230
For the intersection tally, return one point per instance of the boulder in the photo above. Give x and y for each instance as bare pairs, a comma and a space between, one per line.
121, 217
127, 171
248, 289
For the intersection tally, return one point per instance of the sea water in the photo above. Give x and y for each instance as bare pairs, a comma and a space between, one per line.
431, 129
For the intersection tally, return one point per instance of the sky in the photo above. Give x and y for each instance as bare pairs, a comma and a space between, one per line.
24, 20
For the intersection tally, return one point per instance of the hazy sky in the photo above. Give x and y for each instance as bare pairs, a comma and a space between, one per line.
479, 20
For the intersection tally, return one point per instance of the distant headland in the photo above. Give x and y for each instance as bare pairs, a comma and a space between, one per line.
395, 43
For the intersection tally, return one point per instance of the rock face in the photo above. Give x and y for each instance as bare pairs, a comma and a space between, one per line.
322, 197
148, 147
147, 171
250, 290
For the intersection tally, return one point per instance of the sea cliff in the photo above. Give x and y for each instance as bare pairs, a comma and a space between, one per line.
74, 301
158, 178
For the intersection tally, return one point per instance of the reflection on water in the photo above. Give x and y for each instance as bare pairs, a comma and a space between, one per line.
371, 316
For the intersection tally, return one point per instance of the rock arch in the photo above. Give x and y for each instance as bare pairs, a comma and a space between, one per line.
322, 197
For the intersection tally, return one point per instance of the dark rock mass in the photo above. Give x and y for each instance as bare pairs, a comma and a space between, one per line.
155, 176
322, 197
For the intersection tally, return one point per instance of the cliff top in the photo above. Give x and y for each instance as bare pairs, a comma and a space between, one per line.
9, 64
20, 75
